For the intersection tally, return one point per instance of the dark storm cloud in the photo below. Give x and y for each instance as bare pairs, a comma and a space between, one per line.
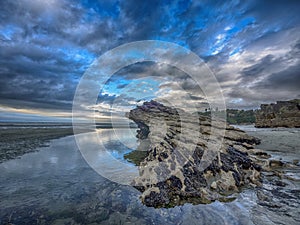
270, 79
37, 61
45, 46
255, 70
150, 69
193, 97
288, 79
35, 74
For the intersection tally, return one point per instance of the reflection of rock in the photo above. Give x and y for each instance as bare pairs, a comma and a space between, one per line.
281, 114
172, 174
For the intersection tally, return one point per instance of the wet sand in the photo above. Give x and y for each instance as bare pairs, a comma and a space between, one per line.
280, 143
16, 141
278, 200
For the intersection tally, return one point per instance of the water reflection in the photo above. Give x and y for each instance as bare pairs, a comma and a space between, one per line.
56, 185
104, 149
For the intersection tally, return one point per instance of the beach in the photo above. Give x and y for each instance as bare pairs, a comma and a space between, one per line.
55, 185
16, 140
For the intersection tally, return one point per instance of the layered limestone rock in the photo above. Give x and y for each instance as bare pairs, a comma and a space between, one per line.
281, 114
184, 162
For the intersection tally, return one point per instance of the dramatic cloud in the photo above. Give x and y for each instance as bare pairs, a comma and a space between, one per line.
251, 46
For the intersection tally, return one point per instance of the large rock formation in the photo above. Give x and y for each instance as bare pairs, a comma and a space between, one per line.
181, 163
281, 114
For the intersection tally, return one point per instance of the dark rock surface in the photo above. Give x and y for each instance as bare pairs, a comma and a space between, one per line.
281, 114
182, 164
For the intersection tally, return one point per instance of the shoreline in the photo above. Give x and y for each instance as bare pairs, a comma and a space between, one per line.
15, 142
29, 184
20, 139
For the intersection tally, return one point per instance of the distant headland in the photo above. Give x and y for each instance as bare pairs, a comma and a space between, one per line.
281, 114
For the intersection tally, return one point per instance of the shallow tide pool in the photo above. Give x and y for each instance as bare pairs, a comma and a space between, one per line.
57, 186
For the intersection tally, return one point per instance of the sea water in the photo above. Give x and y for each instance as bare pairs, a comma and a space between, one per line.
57, 186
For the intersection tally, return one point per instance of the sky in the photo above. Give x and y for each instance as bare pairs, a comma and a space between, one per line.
252, 48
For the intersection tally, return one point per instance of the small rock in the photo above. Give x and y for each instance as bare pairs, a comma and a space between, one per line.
213, 185
276, 163
296, 162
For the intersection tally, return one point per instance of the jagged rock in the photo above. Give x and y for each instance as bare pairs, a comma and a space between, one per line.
281, 114
276, 163
296, 162
179, 145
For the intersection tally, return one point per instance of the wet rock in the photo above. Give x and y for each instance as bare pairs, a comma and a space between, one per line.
184, 162
276, 163
296, 162
263, 196
213, 185
262, 154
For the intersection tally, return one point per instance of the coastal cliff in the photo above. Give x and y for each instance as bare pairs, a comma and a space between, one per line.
281, 114
172, 172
